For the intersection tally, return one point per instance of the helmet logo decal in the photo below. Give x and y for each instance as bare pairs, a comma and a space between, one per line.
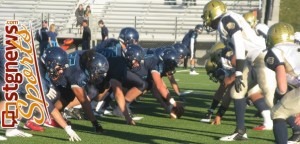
230, 25
270, 60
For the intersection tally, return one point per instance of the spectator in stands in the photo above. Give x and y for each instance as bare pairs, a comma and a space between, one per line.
104, 30
52, 37
79, 16
86, 36
42, 36
87, 12
189, 40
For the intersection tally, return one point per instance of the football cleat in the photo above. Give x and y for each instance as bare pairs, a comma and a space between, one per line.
207, 117
98, 128
294, 139
193, 72
33, 126
262, 127
51, 123
237, 135
2, 138
72, 113
16, 133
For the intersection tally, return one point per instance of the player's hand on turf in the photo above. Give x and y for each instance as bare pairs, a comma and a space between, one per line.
130, 122
217, 121
238, 83
51, 94
72, 134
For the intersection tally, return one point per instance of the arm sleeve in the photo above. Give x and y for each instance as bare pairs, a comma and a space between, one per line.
192, 45
273, 59
239, 46
231, 25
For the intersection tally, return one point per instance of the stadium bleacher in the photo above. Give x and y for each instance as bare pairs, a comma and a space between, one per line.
154, 19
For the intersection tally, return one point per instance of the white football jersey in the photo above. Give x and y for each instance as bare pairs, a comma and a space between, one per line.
286, 54
232, 22
261, 30
297, 37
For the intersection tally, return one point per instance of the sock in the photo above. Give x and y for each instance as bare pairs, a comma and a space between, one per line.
266, 114
291, 122
261, 104
240, 109
262, 107
214, 104
280, 131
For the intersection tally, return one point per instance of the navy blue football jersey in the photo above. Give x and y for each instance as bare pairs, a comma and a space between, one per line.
113, 45
187, 38
151, 63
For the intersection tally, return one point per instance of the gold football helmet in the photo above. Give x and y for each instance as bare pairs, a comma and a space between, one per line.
251, 19
279, 33
215, 51
213, 10
211, 68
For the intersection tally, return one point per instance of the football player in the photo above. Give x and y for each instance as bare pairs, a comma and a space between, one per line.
183, 52
236, 33
152, 69
189, 41
121, 76
282, 57
223, 62
217, 73
68, 82
127, 35
260, 28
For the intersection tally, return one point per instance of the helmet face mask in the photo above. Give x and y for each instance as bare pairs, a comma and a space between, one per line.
134, 55
212, 13
211, 68
95, 66
56, 61
280, 33
170, 59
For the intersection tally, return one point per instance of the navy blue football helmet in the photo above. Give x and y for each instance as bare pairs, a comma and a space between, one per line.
54, 57
170, 60
181, 49
160, 50
199, 27
95, 66
129, 35
134, 52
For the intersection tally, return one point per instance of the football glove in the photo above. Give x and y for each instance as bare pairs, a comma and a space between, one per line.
72, 134
51, 94
238, 83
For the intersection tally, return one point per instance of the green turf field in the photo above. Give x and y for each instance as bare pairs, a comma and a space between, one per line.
157, 127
